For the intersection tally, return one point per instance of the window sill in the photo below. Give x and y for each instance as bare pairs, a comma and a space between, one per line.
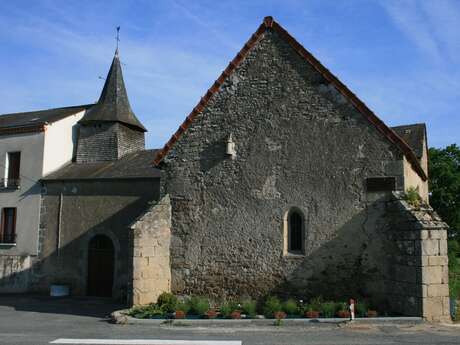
9, 189
294, 255
7, 245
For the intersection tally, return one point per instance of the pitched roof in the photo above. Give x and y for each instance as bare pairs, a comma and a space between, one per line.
113, 105
270, 24
414, 135
36, 120
133, 165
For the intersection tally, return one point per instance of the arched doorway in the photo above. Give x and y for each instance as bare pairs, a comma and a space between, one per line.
100, 266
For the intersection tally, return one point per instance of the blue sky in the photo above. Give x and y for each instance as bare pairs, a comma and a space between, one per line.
402, 58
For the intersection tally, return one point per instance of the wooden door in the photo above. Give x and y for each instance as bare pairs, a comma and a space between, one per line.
100, 266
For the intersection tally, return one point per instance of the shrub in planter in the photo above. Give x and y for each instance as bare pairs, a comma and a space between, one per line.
271, 306
249, 308
343, 311
311, 312
146, 312
167, 302
182, 308
226, 309
361, 309
236, 314
198, 305
328, 309
179, 314
211, 314
279, 315
290, 307
372, 313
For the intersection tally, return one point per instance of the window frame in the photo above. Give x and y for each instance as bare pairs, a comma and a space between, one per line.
287, 233
9, 181
10, 238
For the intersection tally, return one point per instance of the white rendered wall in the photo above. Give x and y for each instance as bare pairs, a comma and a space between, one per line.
60, 142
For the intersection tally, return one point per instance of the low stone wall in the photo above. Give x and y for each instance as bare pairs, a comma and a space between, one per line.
419, 278
151, 241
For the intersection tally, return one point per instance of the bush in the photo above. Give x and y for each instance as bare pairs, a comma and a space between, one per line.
272, 305
198, 305
290, 307
249, 307
314, 305
167, 302
146, 312
361, 308
413, 197
328, 309
227, 308
183, 306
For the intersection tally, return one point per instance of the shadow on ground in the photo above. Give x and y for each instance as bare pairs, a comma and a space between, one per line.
83, 306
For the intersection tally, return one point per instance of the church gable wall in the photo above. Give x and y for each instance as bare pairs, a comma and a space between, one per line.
299, 144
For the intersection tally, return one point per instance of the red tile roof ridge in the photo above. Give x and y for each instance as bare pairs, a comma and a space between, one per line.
270, 23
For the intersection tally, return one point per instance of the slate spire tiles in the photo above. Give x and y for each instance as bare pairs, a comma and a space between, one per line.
113, 104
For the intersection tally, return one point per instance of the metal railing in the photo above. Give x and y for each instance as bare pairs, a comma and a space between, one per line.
8, 238
11, 183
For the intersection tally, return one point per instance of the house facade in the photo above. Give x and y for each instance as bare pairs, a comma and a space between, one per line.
32, 145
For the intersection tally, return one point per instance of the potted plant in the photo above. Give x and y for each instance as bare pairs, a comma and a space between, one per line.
328, 309
272, 305
236, 314
210, 314
182, 309
372, 313
310, 312
343, 311
199, 306
279, 315
312, 309
290, 307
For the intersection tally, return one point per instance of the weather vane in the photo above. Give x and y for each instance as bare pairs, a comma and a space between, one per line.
118, 36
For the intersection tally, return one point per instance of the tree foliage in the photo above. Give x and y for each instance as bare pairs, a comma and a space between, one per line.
444, 172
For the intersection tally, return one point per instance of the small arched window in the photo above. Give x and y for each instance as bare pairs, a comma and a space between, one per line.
294, 232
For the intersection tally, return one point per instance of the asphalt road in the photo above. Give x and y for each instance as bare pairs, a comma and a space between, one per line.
42, 320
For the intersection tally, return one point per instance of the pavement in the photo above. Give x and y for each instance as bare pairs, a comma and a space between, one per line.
36, 320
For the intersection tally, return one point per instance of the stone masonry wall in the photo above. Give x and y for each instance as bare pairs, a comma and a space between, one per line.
419, 283
151, 236
299, 144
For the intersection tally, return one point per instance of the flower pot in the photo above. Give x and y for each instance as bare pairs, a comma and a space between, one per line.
210, 314
372, 313
235, 314
279, 315
344, 314
311, 314
179, 314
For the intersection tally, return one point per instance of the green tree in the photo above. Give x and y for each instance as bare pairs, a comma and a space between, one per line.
444, 172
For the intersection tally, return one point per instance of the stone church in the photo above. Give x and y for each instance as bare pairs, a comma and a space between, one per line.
280, 181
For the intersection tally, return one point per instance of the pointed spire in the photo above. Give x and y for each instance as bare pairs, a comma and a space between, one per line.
113, 104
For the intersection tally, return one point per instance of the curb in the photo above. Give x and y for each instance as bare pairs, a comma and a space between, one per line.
120, 317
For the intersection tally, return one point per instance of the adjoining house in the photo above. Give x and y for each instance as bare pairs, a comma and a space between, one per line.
280, 181
32, 145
